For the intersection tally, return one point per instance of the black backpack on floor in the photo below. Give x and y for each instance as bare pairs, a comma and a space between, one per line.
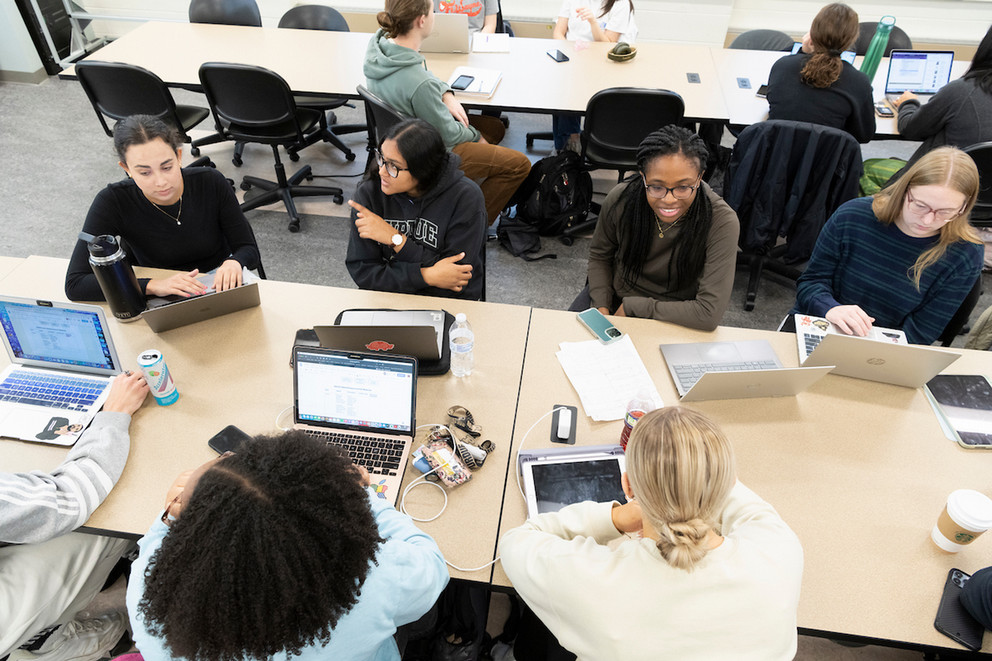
555, 195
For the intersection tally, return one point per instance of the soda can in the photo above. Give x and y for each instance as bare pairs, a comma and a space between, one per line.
152, 364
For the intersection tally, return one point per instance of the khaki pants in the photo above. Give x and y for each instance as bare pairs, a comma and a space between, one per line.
498, 171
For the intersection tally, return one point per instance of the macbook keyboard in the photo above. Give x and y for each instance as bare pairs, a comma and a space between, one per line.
376, 454
52, 390
812, 341
689, 374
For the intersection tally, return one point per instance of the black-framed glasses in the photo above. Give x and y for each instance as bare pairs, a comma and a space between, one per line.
922, 210
679, 192
392, 169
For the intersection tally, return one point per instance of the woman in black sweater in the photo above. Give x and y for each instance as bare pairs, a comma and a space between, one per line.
168, 217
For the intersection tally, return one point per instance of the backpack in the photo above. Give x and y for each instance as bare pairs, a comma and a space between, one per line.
556, 194
520, 238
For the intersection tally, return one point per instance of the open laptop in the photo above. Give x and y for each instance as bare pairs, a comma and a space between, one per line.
366, 404
417, 333
811, 330
907, 365
450, 35
166, 313
921, 72
734, 370
63, 361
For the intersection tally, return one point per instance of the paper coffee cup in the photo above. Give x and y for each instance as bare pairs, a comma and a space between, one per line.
967, 514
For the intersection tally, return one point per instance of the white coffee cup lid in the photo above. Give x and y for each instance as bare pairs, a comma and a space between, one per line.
971, 509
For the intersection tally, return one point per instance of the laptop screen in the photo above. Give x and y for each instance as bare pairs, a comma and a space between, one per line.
920, 72
350, 390
58, 336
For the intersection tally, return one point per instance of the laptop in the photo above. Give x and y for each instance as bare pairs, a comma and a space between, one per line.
734, 370
63, 360
811, 330
907, 365
921, 72
366, 404
417, 333
450, 34
171, 312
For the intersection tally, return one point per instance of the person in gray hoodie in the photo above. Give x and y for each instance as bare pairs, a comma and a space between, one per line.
396, 72
419, 222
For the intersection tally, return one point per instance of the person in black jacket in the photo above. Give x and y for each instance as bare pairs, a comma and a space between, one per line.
419, 223
169, 217
976, 596
816, 86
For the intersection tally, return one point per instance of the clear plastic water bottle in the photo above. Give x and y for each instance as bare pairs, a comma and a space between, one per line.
462, 341
636, 408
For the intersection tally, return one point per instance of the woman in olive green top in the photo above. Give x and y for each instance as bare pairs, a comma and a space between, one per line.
665, 246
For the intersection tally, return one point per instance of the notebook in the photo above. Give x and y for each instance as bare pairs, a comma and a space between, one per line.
920, 72
450, 34
366, 404
166, 313
63, 360
417, 333
907, 365
811, 330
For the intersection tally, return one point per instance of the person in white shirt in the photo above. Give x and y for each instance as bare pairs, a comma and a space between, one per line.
711, 571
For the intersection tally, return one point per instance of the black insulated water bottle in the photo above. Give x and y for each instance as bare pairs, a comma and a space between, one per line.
116, 277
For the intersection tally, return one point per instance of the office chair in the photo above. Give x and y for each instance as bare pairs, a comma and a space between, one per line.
898, 39
784, 180
617, 120
380, 117
253, 104
322, 17
119, 90
773, 40
981, 153
956, 326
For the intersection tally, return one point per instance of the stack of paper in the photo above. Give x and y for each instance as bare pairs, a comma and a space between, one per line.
484, 81
497, 42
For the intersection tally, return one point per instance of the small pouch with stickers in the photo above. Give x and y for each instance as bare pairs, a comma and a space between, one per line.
450, 469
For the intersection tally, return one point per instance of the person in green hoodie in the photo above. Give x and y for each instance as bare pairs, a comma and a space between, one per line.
396, 73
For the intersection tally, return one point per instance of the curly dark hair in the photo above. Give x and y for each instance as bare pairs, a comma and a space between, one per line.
637, 224
270, 551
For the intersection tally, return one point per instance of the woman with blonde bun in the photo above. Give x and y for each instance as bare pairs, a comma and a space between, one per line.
709, 570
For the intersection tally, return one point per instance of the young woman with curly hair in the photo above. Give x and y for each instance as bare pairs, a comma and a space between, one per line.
281, 550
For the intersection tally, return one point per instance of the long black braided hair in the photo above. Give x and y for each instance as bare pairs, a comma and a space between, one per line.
638, 222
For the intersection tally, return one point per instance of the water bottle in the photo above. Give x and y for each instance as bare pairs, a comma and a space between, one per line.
876, 48
116, 277
462, 340
636, 408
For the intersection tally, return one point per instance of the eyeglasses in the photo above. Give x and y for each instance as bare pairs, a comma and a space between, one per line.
392, 169
680, 192
917, 208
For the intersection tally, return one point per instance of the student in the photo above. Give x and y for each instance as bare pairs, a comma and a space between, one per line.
169, 217
714, 572
610, 20
47, 572
976, 596
665, 245
396, 72
481, 13
816, 86
904, 258
419, 223
281, 551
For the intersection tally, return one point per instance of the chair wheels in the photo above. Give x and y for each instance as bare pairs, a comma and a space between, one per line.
195, 151
294, 225
530, 142
245, 185
237, 161
293, 156
566, 240
339, 199
350, 156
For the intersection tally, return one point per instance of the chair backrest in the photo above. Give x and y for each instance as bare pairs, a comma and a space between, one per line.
898, 39
314, 17
618, 118
774, 40
379, 115
250, 103
981, 153
225, 12
119, 90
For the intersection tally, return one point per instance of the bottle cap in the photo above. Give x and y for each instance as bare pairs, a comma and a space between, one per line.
104, 245
460, 318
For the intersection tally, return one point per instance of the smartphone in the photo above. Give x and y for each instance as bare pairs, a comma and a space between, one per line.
462, 82
952, 619
599, 326
557, 56
762, 92
883, 110
228, 439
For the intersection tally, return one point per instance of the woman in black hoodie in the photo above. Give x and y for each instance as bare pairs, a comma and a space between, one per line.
419, 223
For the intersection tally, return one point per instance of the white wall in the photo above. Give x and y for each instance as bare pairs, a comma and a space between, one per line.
19, 60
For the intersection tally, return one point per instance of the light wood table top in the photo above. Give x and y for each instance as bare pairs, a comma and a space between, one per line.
859, 470
8, 264
235, 370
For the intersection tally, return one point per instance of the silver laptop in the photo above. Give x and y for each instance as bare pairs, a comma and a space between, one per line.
366, 404
63, 360
811, 330
417, 333
921, 72
734, 370
899, 364
173, 312
450, 35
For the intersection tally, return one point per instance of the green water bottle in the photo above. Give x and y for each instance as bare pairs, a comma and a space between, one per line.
876, 49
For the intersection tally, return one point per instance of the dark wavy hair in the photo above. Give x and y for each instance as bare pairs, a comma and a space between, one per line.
834, 29
423, 150
981, 65
638, 222
270, 551
139, 129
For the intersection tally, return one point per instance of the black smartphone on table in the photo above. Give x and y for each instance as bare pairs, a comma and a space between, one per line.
882, 109
228, 439
952, 619
557, 55
762, 92
462, 82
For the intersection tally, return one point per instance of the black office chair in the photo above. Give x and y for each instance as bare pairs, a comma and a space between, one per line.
322, 17
253, 104
380, 117
773, 40
981, 153
898, 39
617, 120
958, 323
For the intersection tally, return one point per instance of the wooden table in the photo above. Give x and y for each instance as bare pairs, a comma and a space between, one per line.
8, 264
859, 470
235, 370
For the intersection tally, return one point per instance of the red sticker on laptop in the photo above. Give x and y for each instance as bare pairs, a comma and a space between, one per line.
379, 345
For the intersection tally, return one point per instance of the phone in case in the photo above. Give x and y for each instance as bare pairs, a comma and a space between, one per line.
882, 109
557, 55
228, 439
599, 326
952, 619
462, 82
762, 92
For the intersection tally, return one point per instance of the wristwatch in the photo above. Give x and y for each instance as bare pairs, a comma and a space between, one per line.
397, 240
